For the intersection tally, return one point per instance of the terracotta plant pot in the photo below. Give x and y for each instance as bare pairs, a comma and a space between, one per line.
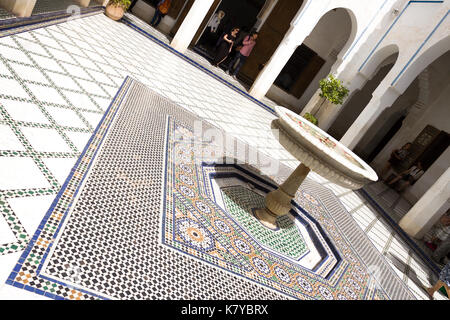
114, 12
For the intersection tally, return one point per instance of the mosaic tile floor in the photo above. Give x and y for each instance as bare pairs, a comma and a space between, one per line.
60, 80
46, 6
100, 240
392, 205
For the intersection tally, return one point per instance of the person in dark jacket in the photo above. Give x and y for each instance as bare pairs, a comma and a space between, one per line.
161, 10
248, 44
225, 47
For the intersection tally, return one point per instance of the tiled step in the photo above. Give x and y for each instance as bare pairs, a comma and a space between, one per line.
45, 10
5, 14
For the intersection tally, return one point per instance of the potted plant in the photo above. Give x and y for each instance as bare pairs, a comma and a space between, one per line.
332, 93
116, 8
333, 90
308, 116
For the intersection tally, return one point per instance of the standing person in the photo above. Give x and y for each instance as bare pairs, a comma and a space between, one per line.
210, 35
440, 242
161, 10
397, 157
410, 176
225, 26
248, 44
215, 21
225, 47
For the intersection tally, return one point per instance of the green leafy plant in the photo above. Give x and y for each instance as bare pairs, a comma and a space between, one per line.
121, 3
308, 116
333, 90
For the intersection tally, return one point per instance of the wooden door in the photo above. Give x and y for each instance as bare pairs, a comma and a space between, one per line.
175, 8
434, 149
306, 76
183, 14
180, 19
270, 36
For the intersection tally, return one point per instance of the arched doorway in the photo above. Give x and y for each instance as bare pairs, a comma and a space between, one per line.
359, 100
424, 106
271, 34
311, 61
242, 14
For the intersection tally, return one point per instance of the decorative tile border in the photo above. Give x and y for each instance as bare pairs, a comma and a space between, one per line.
26, 273
18, 25
187, 209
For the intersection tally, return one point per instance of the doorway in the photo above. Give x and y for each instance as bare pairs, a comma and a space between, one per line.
270, 36
242, 14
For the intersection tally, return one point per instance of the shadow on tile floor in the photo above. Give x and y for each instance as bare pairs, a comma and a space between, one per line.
411, 274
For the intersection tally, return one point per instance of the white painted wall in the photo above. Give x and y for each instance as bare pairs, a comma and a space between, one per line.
385, 122
421, 32
356, 104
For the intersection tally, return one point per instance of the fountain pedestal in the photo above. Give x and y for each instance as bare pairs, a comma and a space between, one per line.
317, 151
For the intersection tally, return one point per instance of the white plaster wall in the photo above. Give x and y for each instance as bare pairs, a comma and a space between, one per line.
438, 115
384, 123
430, 87
430, 177
350, 111
414, 31
421, 31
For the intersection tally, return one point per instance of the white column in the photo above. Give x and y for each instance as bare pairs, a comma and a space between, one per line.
353, 86
313, 105
20, 8
190, 25
369, 115
293, 38
426, 212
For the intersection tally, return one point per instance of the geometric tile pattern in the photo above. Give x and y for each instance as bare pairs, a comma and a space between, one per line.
105, 244
44, 6
52, 72
195, 225
288, 240
75, 56
37, 113
100, 239
5, 14
320, 255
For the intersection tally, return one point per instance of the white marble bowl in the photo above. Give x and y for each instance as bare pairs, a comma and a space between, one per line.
320, 152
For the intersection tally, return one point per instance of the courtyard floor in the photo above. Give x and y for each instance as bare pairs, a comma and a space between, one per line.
58, 81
